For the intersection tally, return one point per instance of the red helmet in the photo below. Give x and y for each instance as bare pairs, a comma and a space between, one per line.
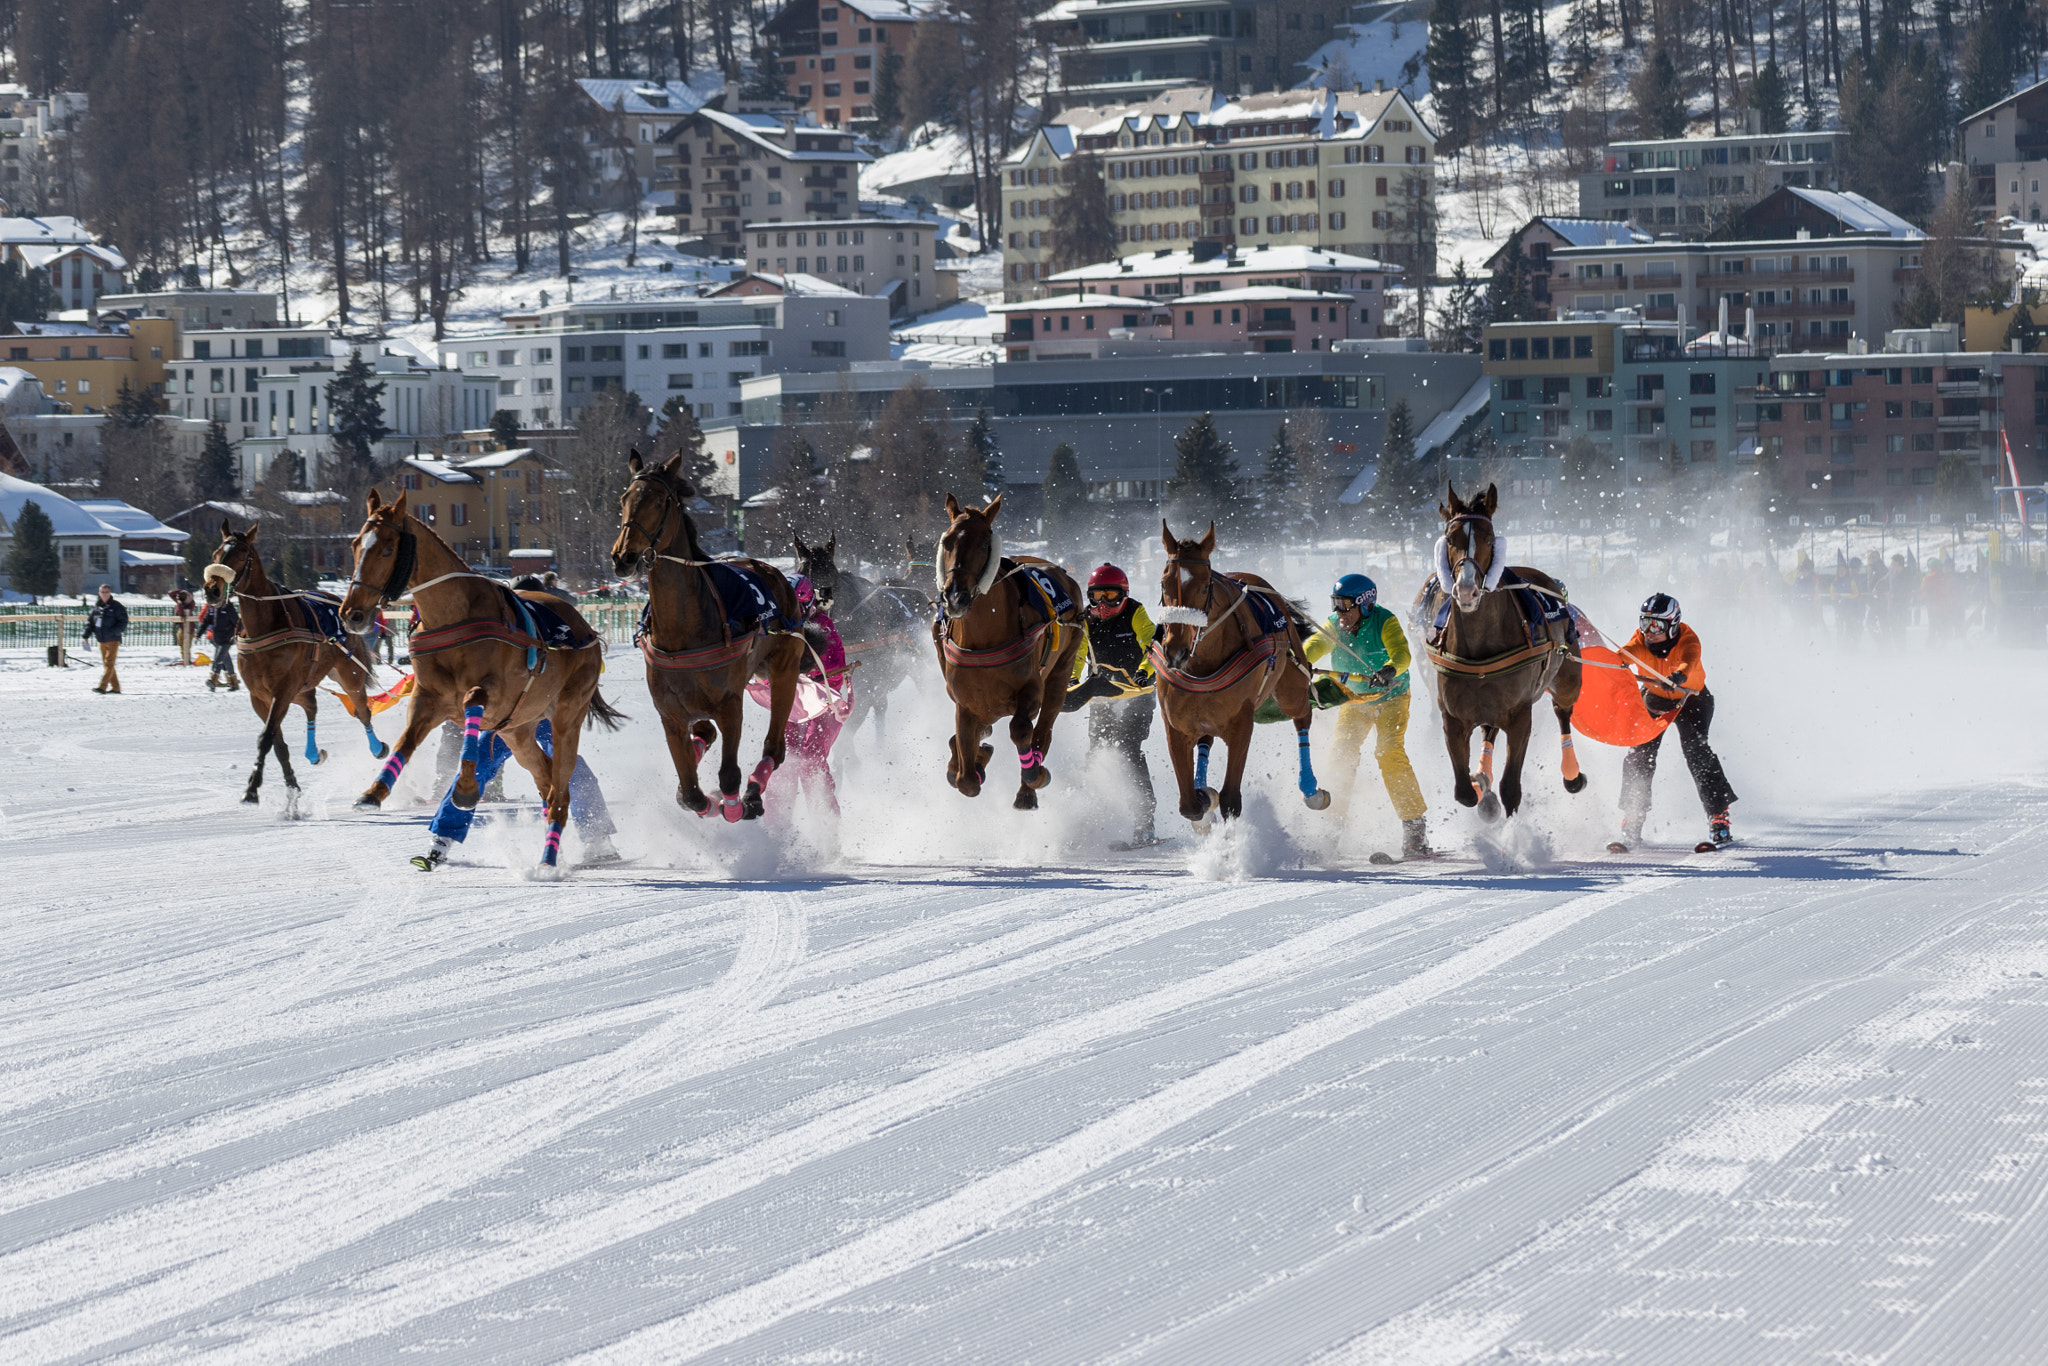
1108, 586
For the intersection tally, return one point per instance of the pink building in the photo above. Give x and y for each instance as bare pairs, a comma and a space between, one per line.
1263, 318
1149, 275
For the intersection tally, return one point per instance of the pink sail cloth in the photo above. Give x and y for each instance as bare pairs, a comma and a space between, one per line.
819, 697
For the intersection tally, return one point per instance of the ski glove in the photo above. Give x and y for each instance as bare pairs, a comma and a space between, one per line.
1382, 677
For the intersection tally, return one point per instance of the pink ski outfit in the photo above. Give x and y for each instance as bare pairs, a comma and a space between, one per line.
815, 721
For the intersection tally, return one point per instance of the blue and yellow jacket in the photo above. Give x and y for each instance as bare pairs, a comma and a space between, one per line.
1357, 655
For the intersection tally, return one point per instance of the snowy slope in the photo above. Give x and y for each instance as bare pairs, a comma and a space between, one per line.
949, 1082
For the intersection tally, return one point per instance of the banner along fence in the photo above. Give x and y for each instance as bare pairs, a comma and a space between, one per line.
35, 626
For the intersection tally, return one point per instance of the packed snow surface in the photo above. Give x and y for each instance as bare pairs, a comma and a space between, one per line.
947, 1082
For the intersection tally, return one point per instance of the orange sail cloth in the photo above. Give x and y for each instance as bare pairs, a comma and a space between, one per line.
380, 702
1610, 707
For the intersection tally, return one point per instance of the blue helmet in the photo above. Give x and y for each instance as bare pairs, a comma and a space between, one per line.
1359, 589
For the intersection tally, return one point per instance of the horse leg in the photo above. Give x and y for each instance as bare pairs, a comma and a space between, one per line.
280, 703
309, 702
1518, 750
422, 718
1032, 773
1180, 749
262, 710
685, 748
473, 704
1239, 738
775, 749
1574, 780
1458, 744
1315, 797
568, 732
730, 719
964, 773
1489, 802
355, 683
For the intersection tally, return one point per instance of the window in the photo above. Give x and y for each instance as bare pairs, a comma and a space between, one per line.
544, 386
576, 385
1702, 417
508, 386
458, 514
97, 557
1702, 384
478, 359
828, 348
573, 354
682, 381
598, 353
672, 350
746, 348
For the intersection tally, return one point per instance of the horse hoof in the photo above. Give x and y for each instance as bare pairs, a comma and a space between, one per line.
1577, 784
379, 750
1465, 796
732, 808
1319, 800
369, 801
1490, 809
250, 799
465, 795
1037, 778
1027, 799
752, 808
321, 759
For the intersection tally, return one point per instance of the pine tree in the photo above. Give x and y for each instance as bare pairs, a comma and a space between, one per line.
889, 90
1083, 229
1508, 299
355, 411
982, 455
680, 432
1453, 73
767, 84
1771, 98
32, 566
1658, 98
132, 408
1463, 315
1204, 482
216, 477
294, 569
1895, 114
24, 295
505, 429
1279, 498
1403, 483
1066, 502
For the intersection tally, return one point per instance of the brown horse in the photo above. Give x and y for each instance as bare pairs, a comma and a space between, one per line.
285, 655
697, 670
879, 623
1006, 648
475, 656
1489, 673
1214, 661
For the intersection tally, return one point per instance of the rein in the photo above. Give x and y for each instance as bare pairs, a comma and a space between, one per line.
1260, 650
1000, 656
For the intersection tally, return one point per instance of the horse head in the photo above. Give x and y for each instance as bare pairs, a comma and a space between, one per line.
819, 564
1468, 536
384, 558
653, 512
1185, 586
235, 557
970, 554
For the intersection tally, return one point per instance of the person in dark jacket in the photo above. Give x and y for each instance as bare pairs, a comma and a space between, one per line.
222, 621
105, 624
1115, 672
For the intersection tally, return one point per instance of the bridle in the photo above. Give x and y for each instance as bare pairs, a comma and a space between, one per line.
229, 544
404, 561
991, 572
1471, 555
1215, 619
671, 507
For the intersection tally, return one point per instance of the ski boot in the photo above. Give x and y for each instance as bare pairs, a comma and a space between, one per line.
599, 850
435, 856
1719, 834
1631, 835
1415, 838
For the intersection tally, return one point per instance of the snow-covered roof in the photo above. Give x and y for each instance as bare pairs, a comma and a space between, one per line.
1596, 232
1248, 261
766, 131
130, 520
66, 517
653, 97
1058, 138
893, 11
447, 471
1262, 294
39, 254
792, 283
20, 392
1053, 302
938, 354
1439, 430
1855, 212
138, 559
15, 231
63, 329
496, 460
944, 157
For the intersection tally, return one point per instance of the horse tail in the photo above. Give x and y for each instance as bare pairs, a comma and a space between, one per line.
603, 712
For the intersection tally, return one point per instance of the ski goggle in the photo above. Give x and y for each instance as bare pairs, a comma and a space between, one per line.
1656, 626
1344, 604
1105, 597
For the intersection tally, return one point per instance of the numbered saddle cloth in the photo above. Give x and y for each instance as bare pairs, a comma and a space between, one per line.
323, 617
552, 629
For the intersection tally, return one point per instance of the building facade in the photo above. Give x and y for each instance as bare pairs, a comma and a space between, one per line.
735, 170
1349, 172
1688, 185
82, 366
483, 506
1106, 50
38, 161
835, 56
623, 141
422, 405
890, 258
77, 268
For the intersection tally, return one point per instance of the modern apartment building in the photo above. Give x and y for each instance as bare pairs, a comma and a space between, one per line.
623, 139
422, 405
1688, 185
2005, 147
1352, 172
735, 170
835, 54
82, 366
1815, 266
890, 258
214, 372
1859, 434
547, 365
1106, 50
1174, 273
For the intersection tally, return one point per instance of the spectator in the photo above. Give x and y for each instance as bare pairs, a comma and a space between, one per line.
184, 616
224, 622
105, 623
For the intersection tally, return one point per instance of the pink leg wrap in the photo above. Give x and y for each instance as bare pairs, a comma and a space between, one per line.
551, 849
1028, 759
393, 766
762, 772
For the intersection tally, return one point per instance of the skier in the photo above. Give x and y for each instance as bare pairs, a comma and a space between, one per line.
451, 823
1680, 687
811, 740
105, 623
220, 623
1369, 656
1118, 674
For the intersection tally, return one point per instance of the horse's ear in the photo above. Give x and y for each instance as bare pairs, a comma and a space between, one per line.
995, 505
398, 505
1209, 540
1166, 538
225, 530
1457, 504
250, 534
373, 502
673, 465
832, 546
796, 539
634, 463
1490, 500
952, 508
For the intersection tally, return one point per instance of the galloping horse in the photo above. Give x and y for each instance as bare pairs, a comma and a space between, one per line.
481, 650
996, 662
286, 652
878, 623
697, 668
1489, 671
1225, 644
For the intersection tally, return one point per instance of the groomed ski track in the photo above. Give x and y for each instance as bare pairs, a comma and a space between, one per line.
268, 1095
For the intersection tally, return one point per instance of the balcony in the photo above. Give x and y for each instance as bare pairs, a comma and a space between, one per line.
1960, 388
1222, 177
1656, 282
1660, 315
1760, 279
1959, 422
1259, 326
1839, 308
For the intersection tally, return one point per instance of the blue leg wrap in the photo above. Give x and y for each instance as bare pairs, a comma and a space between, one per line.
1202, 762
312, 748
1308, 773
376, 745
472, 734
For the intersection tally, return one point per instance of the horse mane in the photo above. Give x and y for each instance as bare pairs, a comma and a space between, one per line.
682, 493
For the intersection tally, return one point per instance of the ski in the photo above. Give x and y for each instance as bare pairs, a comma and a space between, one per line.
1128, 846
1617, 847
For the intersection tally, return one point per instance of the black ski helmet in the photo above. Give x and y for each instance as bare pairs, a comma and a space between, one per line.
1660, 607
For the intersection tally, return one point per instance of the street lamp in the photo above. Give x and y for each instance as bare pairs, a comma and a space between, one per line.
1159, 397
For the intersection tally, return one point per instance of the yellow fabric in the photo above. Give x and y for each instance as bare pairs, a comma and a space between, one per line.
1392, 639
1355, 721
1144, 630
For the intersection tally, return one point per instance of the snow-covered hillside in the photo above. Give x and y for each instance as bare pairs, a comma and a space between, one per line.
944, 1081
